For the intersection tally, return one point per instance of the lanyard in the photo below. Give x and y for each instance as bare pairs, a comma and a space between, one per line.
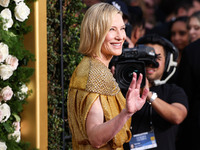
151, 117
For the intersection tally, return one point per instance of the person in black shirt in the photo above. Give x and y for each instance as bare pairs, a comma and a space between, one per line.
156, 124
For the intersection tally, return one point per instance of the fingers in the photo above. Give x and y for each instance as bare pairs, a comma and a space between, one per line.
145, 93
135, 84
145, 90
139, 81
147, 84
132, 85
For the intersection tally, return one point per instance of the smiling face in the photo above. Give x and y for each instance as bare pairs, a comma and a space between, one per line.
112, 45
180, 35
194, 29
156, 73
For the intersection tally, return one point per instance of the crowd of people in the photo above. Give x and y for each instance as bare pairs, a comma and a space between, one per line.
162, 115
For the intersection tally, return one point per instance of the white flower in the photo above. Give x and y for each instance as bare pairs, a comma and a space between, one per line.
4, 112
3, 146
7, 16
16, 134
6, 93
4, 3
23, 92
3, 51
22, 11
16, 125
5, 71
12, 61
24, 89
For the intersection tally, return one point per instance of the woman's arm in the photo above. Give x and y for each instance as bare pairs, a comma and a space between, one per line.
100, 132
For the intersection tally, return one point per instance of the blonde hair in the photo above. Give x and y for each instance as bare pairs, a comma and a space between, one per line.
94, 28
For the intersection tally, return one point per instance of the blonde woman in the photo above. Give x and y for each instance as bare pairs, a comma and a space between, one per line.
194, 26
99, 116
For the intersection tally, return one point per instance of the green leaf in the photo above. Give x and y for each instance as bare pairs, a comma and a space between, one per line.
8, 127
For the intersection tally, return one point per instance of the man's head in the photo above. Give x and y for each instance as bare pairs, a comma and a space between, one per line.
167, 57
153, 73
137, 22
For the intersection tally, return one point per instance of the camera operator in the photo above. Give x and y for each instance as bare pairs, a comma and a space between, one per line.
155, 126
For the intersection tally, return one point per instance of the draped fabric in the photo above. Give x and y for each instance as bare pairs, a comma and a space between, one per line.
90, 80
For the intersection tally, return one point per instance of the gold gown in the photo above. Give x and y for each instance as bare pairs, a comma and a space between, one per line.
90, 80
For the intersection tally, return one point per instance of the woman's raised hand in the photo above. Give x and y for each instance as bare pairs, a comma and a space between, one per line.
134, 98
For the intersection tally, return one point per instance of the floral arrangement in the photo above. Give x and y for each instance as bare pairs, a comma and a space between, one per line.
14, 73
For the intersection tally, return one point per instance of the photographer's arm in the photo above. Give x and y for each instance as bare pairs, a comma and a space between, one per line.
100, 132
174, 113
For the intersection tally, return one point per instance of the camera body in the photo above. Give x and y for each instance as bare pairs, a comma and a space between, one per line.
133, 60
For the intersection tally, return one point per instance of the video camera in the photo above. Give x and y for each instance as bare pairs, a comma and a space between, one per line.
133, 60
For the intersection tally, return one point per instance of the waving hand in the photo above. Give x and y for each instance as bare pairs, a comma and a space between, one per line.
134, 98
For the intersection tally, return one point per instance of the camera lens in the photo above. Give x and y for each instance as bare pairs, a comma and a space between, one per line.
127, 74
124, 72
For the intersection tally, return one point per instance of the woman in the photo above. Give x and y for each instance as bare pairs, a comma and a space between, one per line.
194, 26
179, 34
99, 116
180, 38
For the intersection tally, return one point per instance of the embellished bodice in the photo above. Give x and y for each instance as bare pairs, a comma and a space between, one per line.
98, 77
